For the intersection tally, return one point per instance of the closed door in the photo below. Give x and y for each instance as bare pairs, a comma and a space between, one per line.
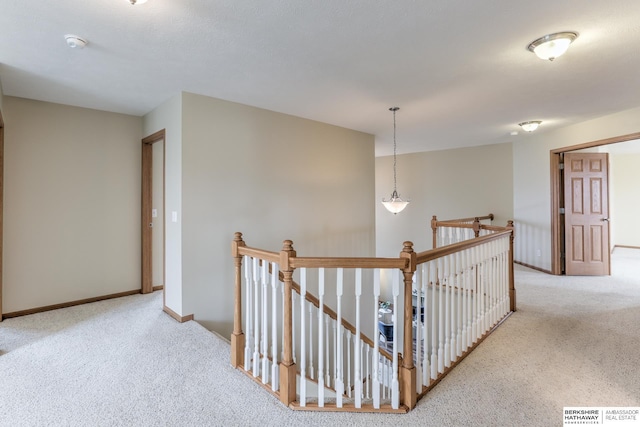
586, 197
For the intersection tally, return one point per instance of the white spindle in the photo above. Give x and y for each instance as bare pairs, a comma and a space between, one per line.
256, 319
357, 349
264, 339
433, 279
294, 297
248, 311
417, 280
275, 383
395, 385
321, 338
339, 380
376, 340
348, 344
312, 374
447, 312
425, 327
303, 338
441, 322
459, 297
328, 321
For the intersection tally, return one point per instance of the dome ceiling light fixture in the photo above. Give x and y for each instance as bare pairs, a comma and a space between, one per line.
395, 204
530, 126
551, 46
74, 41
135, 2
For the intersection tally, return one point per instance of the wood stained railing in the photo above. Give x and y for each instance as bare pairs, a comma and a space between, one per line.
303, 349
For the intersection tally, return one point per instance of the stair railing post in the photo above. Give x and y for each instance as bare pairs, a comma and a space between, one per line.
476, 226
408, 396
237, 336
434, 227
287, 365
512, 287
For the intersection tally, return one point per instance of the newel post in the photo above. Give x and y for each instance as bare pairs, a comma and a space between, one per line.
434, 227
476, 226
287, 366
237, 336
512, 285
408, 394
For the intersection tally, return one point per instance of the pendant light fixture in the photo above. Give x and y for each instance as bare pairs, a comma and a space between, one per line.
395, 204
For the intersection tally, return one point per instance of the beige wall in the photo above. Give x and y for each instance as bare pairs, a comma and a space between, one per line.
625, 199
450, 184
168, 116
272, 177
531, 183
72, 203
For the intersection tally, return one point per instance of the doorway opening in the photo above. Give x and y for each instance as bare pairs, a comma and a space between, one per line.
558, 243
153, 209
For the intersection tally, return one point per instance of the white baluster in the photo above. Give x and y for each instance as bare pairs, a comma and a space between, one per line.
417, 279
349, 343
264, 279
441, 316
328, 321
303, 338
339, 380
447, 312
434, 319
376, 340
256, 319
312, 374
368, 373
476, 293
294, 297
459, 298
395, 385
356, 348
321, 338
248, 310
424, 318
275, 383
452, 302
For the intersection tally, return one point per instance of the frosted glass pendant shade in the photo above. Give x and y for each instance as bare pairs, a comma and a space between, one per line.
552, 46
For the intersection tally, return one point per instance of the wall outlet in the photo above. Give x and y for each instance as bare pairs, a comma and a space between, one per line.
538, 252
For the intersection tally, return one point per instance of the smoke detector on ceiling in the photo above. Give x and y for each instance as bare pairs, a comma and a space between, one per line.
75, 41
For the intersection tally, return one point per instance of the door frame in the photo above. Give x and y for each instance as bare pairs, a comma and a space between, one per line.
147, 199
557, 194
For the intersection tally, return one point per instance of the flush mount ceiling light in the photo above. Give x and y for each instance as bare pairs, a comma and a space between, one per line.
553, 45
395, 204
75, 42
135, 2
530, 126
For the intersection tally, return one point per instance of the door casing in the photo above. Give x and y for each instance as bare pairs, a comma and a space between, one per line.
147, 199
557, 196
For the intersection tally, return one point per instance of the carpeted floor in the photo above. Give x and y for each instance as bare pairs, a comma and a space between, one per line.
574, 341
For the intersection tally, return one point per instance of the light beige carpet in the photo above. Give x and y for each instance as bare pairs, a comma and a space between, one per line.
573, 342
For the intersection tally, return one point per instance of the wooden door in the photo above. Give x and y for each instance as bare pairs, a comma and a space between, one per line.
586, 198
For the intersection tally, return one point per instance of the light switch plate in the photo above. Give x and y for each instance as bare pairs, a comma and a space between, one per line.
174, 216
154, 213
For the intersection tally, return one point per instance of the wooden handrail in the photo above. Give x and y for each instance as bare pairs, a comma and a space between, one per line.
432, 254
259, 253
331, 262
470, 219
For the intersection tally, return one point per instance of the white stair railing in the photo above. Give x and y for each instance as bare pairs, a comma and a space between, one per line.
463, 295
460, 292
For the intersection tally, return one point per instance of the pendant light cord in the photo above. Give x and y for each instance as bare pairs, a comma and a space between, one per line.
395, 192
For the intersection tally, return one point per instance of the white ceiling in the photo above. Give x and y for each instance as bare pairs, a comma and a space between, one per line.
458, 69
